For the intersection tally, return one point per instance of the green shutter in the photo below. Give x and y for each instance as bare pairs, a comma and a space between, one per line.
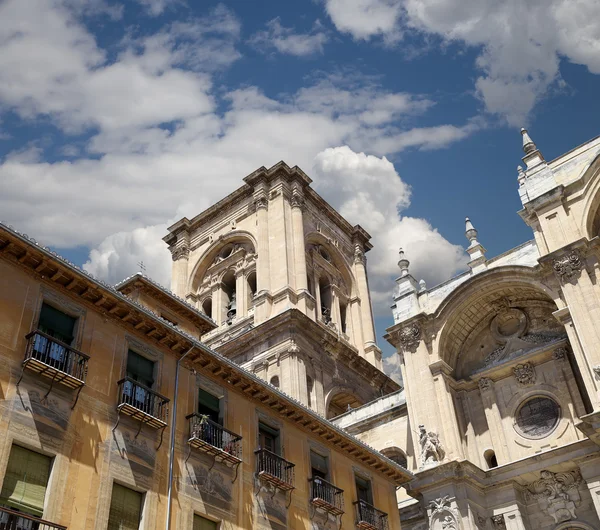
125, 509
140, 369
200, 523
25, 481
56, 323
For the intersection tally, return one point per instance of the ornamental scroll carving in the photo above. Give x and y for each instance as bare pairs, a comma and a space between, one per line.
557, 494
181, 252
485, 383
297, 200
410, 336
569, 266
431, 447
560, 353
498, 522
442, 516
261, 202
524, 374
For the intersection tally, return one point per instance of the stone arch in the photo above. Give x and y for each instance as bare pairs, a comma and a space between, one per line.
573, 525
471, 308
395, 454
590, 222
338, 399
208, 256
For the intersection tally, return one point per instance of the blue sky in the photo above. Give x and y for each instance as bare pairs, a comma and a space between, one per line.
117, 118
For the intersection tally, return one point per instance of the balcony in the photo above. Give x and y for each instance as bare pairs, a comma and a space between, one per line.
12, 520
370, 518
274, 469
56, 360
142, 403
214, 439
326, 496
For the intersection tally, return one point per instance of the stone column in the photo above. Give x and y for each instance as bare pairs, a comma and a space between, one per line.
494, 420
179, 270
300, 280
318, 403
335, 308
217, 296
360, 273
293, 374
241, 294
263, 286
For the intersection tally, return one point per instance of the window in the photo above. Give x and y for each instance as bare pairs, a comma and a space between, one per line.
61, 327
207, 307
25, 481
343, 312
363, 489
309, 389
140, 369
537, 417
201, 523
274, 381
209, 405
490, 458
268, 438
125, 509
319, 465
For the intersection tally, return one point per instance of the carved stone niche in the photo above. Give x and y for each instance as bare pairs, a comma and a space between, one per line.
442, 515
557, 494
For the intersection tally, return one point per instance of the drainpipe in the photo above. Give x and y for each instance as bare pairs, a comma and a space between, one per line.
172, 441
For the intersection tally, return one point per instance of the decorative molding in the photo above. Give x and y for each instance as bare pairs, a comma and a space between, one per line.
441, 510
485, 383
181, 252
481, 522
498, 522
557, 494
560, 353
410, 336
569, 266
261, 203
524, 374
432, 451
297, 200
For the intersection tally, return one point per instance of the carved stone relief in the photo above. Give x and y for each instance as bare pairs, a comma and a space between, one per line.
442, 516
410, 336
568, 267
524, 374
498, 522
557, 494
560, 353
485, 383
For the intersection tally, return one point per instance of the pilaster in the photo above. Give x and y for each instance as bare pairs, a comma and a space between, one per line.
494, 419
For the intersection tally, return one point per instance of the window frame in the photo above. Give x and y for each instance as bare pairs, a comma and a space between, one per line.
143, 494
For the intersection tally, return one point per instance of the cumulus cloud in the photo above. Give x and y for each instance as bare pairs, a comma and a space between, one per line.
521, 43
287, 41
368, 191
391, 366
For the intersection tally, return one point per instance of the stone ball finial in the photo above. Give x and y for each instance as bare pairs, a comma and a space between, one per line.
403, 263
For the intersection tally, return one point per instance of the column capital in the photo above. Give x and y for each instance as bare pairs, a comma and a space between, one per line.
261, 202
297, 200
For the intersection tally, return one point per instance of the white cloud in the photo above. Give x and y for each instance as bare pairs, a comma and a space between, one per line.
286, 41
521, 42
159, 144
391, 366
368, 191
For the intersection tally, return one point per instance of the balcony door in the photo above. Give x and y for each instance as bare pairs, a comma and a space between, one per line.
140, 370
25, 481
61, 327
209, 405
268, 438
363, 490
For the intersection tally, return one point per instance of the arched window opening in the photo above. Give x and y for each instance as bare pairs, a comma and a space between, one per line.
490, 458
343, 317
395, 455
229, 297
309, 389
207, 307
274, 381
311, 285
341, 403
325, 290
251, 281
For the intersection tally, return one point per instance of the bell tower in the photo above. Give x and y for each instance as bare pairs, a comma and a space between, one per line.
284, 277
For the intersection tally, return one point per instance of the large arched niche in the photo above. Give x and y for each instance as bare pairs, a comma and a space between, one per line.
209, 256
590, 225
339, 400
495, 313
337, 260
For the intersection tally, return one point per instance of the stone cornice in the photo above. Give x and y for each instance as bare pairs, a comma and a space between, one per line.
47, 266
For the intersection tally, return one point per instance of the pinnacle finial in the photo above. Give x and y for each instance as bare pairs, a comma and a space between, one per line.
528, 145
470, 232
403, 263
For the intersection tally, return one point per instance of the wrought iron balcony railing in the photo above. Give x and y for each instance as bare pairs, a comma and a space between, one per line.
142, 403
12, 520
326, 496
55, 359
274, 469
370, 518
214, 439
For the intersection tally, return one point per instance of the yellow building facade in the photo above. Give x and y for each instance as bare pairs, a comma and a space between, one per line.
88, 399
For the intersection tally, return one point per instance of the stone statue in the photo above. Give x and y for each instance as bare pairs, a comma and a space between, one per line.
431, 447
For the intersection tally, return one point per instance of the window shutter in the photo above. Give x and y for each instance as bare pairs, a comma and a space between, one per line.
125, 509
200, 523
56, 324
26, 480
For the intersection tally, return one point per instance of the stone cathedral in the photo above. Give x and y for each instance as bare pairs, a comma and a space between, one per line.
499, 417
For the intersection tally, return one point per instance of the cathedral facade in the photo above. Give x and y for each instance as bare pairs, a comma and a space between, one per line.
500, 414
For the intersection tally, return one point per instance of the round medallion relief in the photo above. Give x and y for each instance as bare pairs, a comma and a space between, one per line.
537, 417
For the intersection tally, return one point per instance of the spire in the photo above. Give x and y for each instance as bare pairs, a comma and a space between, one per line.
528, 145
403, 263
522, 177
475, 248
532, 157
